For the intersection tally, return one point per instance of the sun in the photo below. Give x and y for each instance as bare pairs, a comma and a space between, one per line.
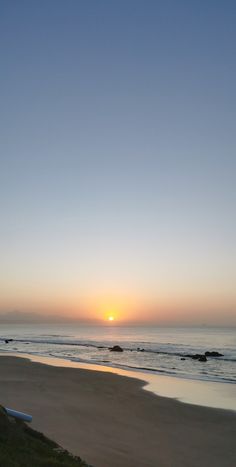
110, 315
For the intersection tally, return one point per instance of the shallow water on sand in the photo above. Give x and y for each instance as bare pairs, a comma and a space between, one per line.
204, 393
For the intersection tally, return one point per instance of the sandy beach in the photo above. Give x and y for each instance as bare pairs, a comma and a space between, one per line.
110, 421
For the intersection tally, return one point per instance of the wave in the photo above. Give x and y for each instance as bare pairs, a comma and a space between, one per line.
132, 348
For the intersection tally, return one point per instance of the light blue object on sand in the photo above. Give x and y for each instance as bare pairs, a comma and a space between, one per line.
22, 416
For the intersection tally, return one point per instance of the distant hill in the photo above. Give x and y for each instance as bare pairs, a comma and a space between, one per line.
21, 317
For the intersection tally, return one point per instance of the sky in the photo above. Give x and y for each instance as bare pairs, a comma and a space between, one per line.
117, 161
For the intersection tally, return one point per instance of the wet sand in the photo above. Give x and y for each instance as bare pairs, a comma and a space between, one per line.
110, 421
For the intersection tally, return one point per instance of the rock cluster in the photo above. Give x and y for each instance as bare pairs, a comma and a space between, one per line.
203, 357
116, 348
213, 354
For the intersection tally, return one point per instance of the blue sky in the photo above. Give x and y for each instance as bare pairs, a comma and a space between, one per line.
118, 156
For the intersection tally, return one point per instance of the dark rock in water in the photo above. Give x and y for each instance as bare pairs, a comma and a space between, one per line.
196, 356
183, 358
116, 348
202, 358
140, 350
6, 341
213, 354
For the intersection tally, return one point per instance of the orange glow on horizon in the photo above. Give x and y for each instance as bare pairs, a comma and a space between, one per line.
117, 307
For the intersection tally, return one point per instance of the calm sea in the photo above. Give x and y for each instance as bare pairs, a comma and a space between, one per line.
162, 351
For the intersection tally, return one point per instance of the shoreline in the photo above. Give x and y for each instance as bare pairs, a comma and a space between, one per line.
110, 421
218, 395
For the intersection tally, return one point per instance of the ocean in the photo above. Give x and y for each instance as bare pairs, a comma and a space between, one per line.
155, 350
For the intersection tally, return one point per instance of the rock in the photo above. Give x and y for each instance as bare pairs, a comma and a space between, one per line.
140, 350
202, 358
183, 358
213, 354
196, 356
6, 341
116, 348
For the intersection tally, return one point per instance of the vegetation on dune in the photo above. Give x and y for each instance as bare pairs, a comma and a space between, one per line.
21, 446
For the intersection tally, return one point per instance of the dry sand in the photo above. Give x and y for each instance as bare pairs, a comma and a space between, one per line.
110, 421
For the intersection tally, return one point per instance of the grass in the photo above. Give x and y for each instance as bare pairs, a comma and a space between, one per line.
20, 446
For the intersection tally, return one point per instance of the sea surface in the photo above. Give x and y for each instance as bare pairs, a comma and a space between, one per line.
156, 350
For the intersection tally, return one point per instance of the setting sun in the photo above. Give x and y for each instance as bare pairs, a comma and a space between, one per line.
111, 318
